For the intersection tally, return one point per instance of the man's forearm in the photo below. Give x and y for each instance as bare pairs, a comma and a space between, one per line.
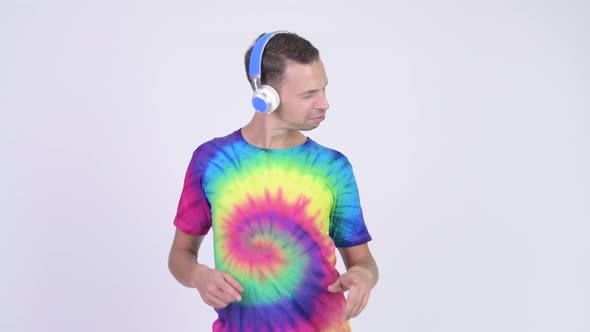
182, 265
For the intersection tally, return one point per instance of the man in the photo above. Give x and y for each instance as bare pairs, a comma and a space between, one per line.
279, 204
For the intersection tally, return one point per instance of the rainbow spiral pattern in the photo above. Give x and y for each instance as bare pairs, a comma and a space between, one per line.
277, 216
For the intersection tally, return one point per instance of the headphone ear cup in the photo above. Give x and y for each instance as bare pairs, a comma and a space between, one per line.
266, 99
273, 97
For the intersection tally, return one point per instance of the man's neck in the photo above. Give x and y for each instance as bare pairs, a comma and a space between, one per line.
261, 133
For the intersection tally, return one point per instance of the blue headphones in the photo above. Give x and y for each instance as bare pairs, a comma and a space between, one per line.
266, 99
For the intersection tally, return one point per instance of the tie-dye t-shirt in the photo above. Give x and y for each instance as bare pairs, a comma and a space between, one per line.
277, 217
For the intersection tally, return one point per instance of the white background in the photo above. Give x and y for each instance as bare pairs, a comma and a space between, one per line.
467, 123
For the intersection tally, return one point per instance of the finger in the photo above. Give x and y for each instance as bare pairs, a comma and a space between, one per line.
218, 289
351, 281
336, 286
214, 301
352, 302
218, 303
362, 304
224, 292
226, 295
233, 282
223, 297
231, 287
347, 281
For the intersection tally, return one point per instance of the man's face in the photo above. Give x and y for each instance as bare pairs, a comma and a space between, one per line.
303, 96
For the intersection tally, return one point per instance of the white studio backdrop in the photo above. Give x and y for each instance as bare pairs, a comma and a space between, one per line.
467, 123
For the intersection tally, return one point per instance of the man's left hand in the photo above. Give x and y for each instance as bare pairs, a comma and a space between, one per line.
357, 280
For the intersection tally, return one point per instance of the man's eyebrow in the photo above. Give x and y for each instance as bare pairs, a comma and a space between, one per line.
312, 90
308, 92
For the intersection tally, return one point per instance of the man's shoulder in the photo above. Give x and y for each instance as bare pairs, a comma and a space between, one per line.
327, 151
219, 142
212, 148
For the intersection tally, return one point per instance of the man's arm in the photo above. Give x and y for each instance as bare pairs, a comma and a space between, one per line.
360, 277
218, 289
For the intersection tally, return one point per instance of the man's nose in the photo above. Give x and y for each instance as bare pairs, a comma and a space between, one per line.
322, 102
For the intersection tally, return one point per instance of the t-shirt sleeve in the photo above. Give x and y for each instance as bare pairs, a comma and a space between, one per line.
193, 215
347, 225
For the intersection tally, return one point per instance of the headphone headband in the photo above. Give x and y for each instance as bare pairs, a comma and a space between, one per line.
255, 67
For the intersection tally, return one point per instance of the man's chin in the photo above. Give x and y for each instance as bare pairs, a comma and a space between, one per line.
310, 127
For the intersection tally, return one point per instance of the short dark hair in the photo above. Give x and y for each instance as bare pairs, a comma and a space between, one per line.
278, 50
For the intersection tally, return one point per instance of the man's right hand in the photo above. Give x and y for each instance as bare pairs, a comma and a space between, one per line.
218, 289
